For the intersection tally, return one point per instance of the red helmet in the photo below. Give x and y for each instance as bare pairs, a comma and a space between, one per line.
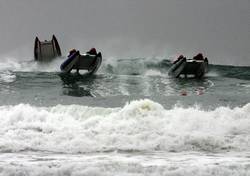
200, 54
92, 51
181, 56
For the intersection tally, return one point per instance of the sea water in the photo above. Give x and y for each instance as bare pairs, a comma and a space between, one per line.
129, 119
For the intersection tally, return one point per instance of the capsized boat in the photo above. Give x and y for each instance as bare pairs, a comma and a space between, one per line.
88, 62
183, 66
46, 50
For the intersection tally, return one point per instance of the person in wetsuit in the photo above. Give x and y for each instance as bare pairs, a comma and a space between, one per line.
198, 57
180, 57
72, 51
92, 51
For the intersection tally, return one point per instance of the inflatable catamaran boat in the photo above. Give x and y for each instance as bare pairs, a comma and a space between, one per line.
89, 62
46, 50
182, 66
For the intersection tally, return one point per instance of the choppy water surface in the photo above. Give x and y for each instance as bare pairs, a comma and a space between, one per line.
128, 119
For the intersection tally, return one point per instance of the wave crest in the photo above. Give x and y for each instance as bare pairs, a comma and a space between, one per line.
141, 125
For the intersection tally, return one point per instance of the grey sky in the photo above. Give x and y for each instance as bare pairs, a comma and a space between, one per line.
132, 28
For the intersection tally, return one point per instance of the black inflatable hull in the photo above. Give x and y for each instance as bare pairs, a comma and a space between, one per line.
46, 50
186, 67
90, 63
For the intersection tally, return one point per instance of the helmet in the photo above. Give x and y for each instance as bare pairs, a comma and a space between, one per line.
181, 56
72, 50
92, 51
200, 55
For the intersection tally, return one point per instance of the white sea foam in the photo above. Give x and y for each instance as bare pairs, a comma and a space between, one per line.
7, 76
131, 66
109, 164
125, 66
141, 125
212, 74
13, 64
151, 72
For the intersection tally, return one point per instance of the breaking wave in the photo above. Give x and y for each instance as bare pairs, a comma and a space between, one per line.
136, 66
128, 66
15, 65
141, 125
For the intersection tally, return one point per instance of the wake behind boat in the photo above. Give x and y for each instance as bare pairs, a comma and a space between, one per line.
90, 61
197, 67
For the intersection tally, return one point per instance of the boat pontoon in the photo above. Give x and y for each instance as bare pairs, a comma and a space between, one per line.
88, 62
187, 67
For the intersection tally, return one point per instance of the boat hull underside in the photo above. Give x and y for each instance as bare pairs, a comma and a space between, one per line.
46, 50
